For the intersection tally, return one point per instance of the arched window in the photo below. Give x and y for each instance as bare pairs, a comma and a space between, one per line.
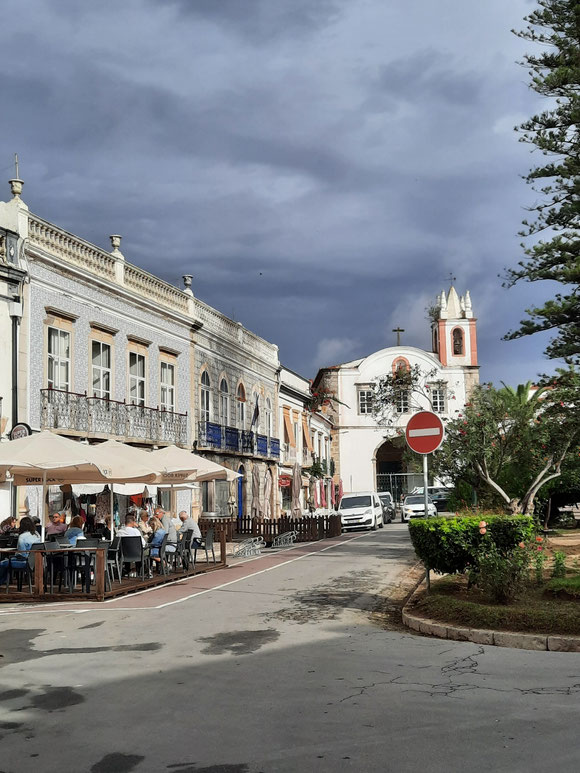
224, 403
241, 406
457, 341
268, 413
205, 397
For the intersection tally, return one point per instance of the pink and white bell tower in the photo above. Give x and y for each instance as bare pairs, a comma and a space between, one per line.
454, 330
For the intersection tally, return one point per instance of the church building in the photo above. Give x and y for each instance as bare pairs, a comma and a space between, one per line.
368, 453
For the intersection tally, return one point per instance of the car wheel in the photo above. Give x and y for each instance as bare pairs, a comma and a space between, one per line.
402, 519
374, 526
382, 522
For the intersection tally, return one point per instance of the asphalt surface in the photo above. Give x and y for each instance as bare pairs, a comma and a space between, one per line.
284, 663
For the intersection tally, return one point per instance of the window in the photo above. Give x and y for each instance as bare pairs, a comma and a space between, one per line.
268, 417
457, 341
224, 403
241, 406
59, 370
437, 397
101, 369
365, 401
205, 397
402, 401
167, 382
136, 378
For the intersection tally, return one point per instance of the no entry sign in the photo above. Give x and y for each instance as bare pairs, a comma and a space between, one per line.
424, 432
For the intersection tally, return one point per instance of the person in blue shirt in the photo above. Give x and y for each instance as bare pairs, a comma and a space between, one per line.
75, 531
27, 536
156, 539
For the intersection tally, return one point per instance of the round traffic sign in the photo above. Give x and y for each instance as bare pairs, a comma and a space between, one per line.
424, 432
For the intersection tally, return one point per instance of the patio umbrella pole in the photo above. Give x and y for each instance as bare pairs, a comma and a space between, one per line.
44, 505
112, 505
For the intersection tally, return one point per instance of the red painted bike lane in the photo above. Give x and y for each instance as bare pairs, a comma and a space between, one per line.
181, 590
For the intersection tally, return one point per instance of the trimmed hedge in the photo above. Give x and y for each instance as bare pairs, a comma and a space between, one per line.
449, 545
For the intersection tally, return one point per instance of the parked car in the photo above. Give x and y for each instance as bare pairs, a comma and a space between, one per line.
361, 510
388, 506
438, 494
414, 507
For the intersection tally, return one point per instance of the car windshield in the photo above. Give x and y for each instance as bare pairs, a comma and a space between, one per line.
416, 500
385, 497
350, 502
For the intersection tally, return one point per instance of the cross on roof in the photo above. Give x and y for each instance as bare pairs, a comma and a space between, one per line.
398, 331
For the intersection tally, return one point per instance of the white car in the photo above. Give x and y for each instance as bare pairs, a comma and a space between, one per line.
414, 507
361, 510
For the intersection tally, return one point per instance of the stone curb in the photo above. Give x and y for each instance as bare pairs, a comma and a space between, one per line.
522, 641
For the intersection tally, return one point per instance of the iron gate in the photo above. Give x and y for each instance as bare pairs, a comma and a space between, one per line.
398, 483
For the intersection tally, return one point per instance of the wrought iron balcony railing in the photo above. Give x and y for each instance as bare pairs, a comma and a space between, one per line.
99, 417
212, 435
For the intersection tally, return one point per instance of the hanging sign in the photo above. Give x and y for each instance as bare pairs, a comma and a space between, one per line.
284, 481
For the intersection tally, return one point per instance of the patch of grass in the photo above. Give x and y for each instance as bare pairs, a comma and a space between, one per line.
450, 602
564, 587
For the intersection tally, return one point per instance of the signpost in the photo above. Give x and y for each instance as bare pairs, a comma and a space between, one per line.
424, 434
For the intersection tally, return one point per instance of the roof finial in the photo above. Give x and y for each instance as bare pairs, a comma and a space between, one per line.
115, 244
16, 183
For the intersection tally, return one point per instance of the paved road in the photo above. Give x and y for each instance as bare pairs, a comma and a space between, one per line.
276, 665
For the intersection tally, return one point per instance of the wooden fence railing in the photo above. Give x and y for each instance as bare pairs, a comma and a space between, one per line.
308, 528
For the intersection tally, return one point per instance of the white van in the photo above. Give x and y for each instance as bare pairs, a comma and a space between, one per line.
361, 510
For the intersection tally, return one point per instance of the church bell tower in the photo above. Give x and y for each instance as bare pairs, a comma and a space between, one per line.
454, 330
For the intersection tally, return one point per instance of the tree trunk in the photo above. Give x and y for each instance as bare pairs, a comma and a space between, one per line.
548, 513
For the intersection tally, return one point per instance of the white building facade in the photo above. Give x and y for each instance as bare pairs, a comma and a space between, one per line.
94, 347
369, 454
305, 440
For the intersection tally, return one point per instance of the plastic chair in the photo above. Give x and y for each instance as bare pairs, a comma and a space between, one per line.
26, 571
163, 560
132, 553
114, 557
184, 550
206, 545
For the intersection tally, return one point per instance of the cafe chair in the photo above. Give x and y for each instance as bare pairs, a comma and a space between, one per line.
132, 552
206, 545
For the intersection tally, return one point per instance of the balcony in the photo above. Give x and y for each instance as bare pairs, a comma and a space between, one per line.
102, 418
215, 436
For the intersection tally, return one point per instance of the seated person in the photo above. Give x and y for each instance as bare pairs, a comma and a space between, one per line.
130, 529
75, 531
107, 528
8, 525
27, 536
56, 525
188, 524
157, 535
144, 524
169, 528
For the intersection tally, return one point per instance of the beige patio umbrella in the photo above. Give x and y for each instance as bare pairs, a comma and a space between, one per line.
176, 461
296, 488
44, 457
267, 493
256, 504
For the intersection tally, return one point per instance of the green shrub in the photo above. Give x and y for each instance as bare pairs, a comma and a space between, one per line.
539, 561
503, 577
559, 567
451, 545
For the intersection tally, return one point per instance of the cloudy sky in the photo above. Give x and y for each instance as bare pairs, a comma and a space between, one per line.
322, 167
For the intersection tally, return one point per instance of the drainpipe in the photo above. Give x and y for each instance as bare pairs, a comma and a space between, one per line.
15, 314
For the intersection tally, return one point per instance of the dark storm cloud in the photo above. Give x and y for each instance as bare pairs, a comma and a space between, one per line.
320, 167
263, 19
429, 75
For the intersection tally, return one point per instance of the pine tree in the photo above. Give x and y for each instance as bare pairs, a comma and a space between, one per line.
555, 253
